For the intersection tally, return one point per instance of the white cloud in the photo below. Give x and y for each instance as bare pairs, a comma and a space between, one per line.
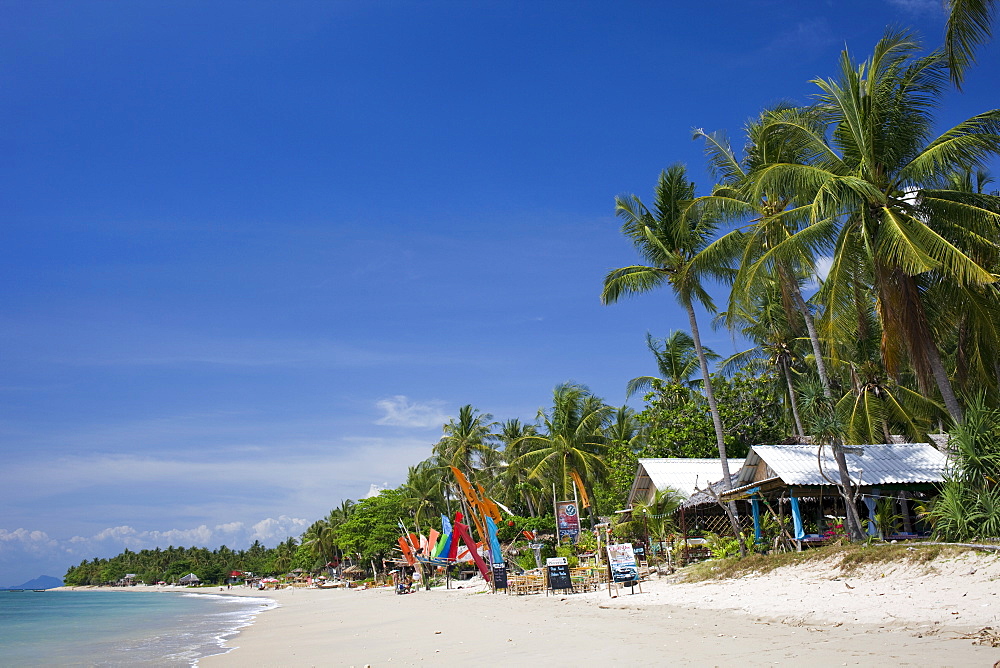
375, 490
200, 535
112, 540
116, 533
822, 267
282, 527
231, 527
31, 541
400, 412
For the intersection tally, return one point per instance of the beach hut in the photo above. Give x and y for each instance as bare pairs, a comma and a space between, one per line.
189, 579
791, 474
677, 473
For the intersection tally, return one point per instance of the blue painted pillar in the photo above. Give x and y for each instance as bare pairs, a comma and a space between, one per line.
797, 519
758, 535
870, 502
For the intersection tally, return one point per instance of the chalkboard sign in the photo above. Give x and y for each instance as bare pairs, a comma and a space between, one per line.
559, 576
499, 576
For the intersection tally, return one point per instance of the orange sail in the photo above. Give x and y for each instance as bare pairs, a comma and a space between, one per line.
407, 552
475, 505
584, 501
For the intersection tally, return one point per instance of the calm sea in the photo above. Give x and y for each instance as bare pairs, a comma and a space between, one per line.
117, 628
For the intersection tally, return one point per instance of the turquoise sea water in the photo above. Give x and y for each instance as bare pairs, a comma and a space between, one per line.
118, 628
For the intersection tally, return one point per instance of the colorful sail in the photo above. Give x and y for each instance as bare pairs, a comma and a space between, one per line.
496, 556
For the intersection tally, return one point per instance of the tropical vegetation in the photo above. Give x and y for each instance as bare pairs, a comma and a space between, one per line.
856, 250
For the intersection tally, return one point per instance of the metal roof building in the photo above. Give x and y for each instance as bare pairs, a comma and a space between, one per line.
678, 473
884, 465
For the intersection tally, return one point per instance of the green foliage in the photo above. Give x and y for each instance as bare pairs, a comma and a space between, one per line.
169, 565
541, 526
569, 552
612, 492
722, 547
373, 528
969, 504
683, 428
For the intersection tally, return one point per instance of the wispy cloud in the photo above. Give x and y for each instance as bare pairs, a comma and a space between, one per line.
399, 411
810, 35
918, 7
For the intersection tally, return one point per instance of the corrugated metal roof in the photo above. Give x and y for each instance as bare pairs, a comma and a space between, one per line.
879, 465
681, 474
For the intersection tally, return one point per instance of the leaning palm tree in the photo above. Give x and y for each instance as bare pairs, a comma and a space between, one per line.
676, 360
765, 218
670, 237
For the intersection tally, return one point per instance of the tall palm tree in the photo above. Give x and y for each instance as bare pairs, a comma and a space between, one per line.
676, 360
670, 239
569, 439
880, 176
767, 218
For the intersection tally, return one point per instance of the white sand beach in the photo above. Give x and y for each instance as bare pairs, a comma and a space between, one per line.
913, 615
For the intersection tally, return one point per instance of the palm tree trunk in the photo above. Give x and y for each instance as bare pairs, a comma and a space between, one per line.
792, 402
943, 383
803, 308
710, 395
716, 421
846, 490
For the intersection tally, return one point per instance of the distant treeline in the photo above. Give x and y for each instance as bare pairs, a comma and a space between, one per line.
172, 563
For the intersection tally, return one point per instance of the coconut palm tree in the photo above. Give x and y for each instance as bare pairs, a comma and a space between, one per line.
676, 360
466, 441
423, 490
623, 427
569, 438
900, 230
516, 483
766, 218
670, 239
765, 322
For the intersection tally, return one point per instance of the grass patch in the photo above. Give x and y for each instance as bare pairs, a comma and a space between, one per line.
845, 558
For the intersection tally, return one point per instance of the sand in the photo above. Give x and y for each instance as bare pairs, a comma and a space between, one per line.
810, 615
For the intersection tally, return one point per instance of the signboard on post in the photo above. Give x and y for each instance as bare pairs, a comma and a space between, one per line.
499, 576
621, 559
558, 572
567, 520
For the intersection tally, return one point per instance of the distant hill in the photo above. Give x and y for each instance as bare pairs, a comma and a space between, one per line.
41, 582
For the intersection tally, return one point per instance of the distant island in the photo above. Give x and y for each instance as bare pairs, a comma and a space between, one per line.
41, 582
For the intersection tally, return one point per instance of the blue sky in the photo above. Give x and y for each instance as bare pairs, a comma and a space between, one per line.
254, 254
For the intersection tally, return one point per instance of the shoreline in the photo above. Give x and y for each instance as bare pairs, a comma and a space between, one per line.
896, 614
